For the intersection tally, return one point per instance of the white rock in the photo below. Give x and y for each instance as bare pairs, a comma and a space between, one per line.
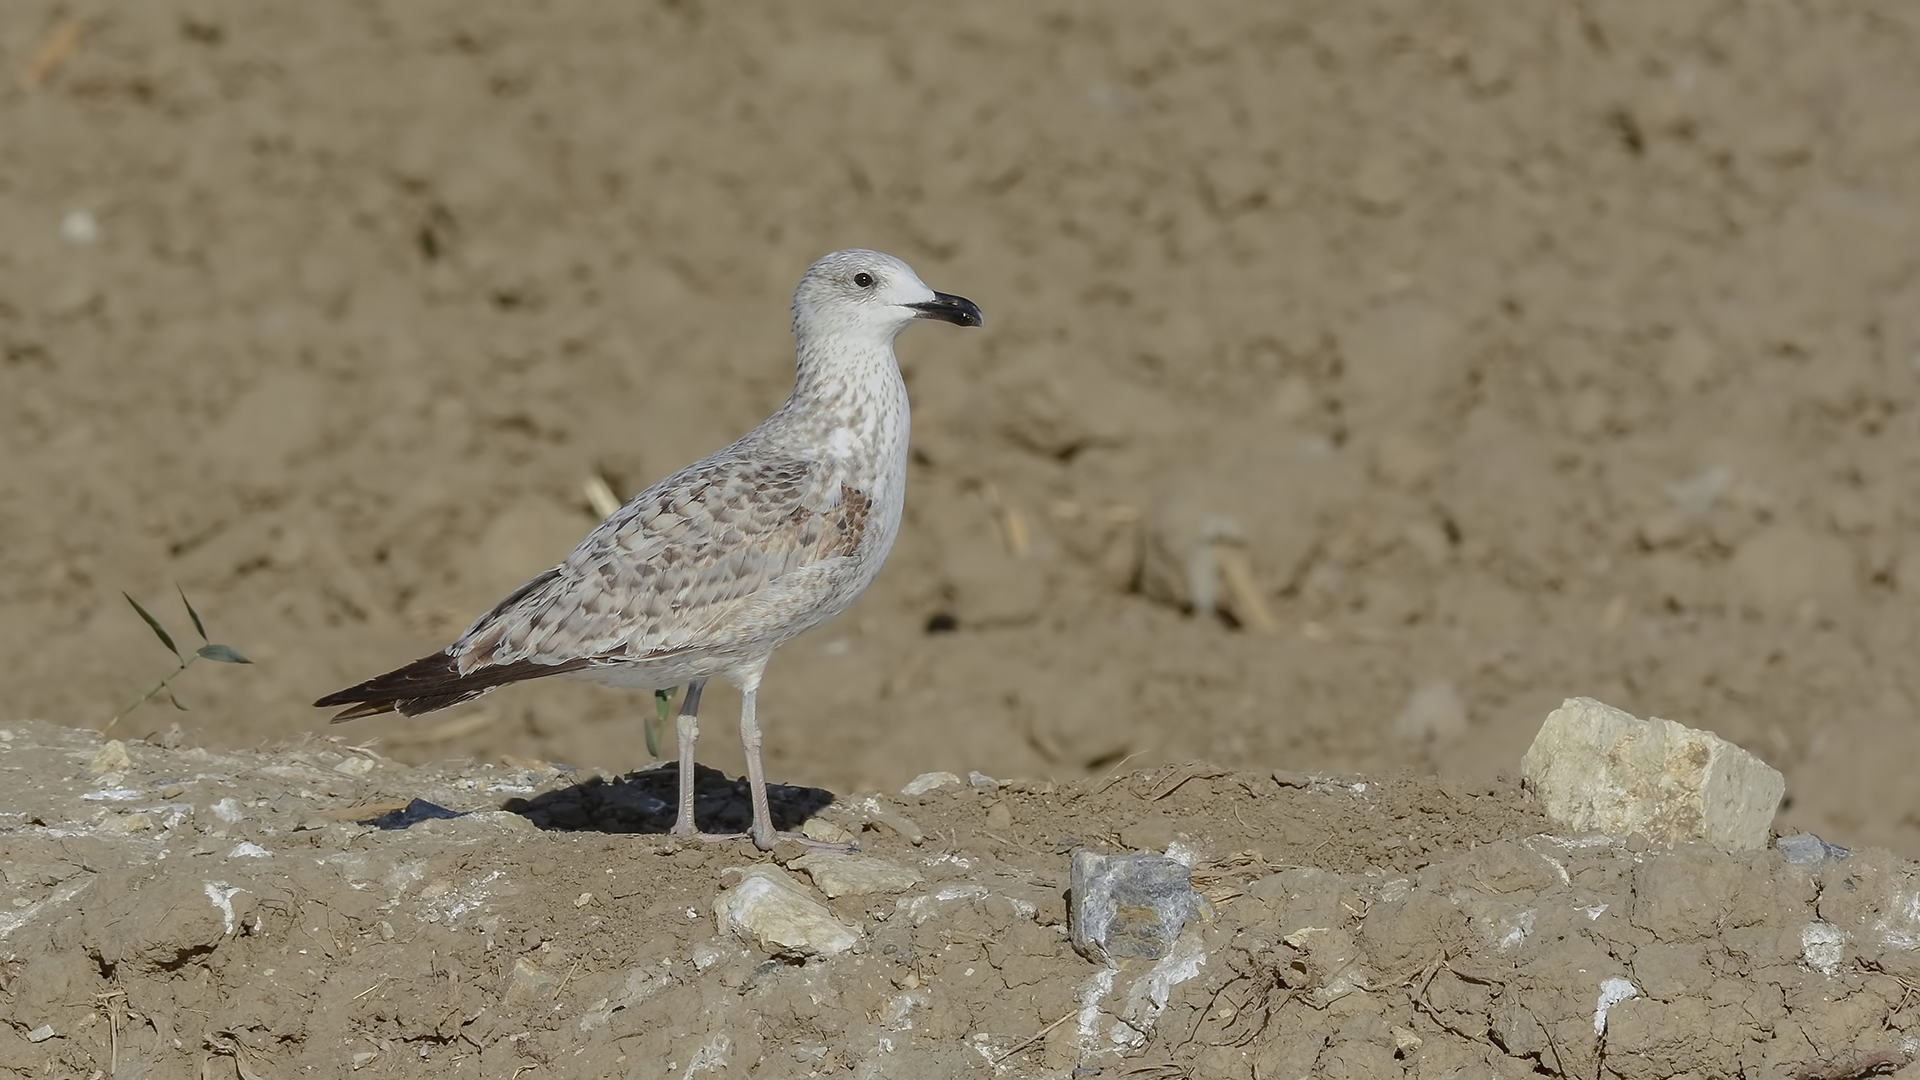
1596, 767
838, 874
706, 954
772, 909
1822, 945
930, 781
1612, 992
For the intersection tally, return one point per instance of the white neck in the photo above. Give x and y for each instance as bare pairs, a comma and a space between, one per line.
849, 407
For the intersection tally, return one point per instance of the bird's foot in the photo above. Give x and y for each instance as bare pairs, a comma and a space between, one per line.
817, 845
768, 844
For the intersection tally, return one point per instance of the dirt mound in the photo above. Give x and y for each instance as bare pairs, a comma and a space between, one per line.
324, 909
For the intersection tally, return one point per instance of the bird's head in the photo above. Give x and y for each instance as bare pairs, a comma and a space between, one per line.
859, 294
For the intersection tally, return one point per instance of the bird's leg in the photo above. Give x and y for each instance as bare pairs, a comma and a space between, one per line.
687, 728
763, 834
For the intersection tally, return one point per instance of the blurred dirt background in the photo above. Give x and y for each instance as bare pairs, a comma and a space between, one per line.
1514, 350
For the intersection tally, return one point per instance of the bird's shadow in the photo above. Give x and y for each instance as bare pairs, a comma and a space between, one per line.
647, 802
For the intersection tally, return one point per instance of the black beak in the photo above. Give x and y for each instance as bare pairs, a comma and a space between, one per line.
946, 307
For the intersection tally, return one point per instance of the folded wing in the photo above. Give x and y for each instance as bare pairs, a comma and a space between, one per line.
662, 576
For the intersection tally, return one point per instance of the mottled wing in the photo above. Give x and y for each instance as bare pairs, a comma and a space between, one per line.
665, 572
663, 575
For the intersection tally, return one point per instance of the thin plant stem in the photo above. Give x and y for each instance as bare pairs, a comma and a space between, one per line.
148, 696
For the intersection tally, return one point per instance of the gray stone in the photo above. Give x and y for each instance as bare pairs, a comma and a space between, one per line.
1596, 767
1128, 905
1806, 849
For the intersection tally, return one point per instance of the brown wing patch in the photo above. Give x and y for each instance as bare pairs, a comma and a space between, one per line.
850, 519
729, 576
432, 683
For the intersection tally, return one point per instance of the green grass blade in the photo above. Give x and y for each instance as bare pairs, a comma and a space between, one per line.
662, 704
192, 614
225, 654
161, 631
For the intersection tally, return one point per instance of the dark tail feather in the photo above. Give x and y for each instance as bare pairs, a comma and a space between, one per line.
433, 683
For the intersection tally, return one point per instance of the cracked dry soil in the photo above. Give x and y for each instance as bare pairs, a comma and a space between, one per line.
178, 909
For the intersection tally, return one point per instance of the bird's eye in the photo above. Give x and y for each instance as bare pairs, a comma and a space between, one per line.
863, 279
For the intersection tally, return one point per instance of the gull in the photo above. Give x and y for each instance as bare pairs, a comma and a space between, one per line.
709, 571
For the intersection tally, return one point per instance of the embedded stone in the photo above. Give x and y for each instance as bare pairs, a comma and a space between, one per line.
1128, 905
770, 908
838, 874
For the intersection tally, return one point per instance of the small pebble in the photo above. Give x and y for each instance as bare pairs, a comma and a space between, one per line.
929, 782
895, 820
111, 758
825, 831
126, 824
